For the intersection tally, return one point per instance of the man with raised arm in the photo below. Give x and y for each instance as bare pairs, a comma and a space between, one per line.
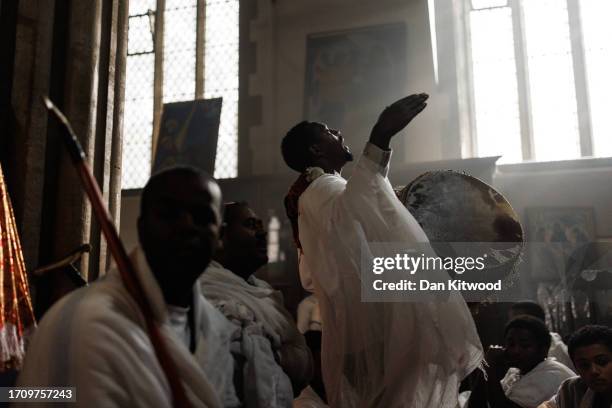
396, 354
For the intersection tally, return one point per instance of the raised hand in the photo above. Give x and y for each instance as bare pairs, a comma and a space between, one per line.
395, 117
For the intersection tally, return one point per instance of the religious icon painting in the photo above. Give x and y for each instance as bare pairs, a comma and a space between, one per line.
188, 135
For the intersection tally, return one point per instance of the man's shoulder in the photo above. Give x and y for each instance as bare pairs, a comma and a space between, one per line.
213, 273
260, 283
573, 385
87, 322
552, 369
89, 309
321, 190
552, 364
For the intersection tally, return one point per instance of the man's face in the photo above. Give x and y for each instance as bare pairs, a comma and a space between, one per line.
594, 365
522, 349
244, 238
179, 231
331, 146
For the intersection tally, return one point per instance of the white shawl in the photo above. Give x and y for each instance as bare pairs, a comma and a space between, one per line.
221, 285
94, 339
267, 333
396, 354
538, 385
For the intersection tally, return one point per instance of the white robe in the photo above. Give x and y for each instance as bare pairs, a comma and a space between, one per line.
95, 339
266, 328
308, 398
396, 354
538, 385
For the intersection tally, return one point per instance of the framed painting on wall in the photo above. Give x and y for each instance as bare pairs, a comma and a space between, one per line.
352, 75
188, 135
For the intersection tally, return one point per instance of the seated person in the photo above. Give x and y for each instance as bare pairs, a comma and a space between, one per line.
313, 396
95, 338
520, 374
277, 362
591, 351
558, 349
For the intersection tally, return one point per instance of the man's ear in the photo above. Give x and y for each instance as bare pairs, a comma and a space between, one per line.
315, 151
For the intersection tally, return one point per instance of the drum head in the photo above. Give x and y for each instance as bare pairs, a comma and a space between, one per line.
453, 207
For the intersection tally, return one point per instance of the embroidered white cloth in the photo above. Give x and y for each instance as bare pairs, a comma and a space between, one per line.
538, 385
95, 339
267, 331
396, 354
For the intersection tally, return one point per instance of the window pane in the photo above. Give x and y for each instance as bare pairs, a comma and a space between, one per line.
141, 6
140, 37
221, 78
551, 80
495, 85
597, 32
273, 239
179, 50
138, 109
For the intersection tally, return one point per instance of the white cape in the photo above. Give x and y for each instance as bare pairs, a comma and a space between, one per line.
94, 339
400, 354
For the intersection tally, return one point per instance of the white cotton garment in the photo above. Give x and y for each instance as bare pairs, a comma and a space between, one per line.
308, 398
536, 386
266, 333
395, 354
95, 339
558, 350
178, 319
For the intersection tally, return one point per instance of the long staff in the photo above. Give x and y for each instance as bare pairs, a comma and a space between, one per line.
124, 264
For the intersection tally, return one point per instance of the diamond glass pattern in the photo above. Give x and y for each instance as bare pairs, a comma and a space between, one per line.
138, 109
179, 50
221, 78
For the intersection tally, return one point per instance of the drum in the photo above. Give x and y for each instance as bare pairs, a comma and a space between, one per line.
463, 216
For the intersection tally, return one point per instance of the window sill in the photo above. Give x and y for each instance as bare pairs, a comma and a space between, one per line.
542, 166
